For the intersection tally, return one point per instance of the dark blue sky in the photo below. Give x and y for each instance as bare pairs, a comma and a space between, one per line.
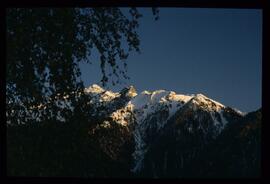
217, 52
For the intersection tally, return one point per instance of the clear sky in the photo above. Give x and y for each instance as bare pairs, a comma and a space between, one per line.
216, 52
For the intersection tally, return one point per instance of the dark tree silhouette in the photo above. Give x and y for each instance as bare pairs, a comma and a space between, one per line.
45, 46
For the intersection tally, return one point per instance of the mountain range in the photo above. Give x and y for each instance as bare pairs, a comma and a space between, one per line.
176, 135
152, 134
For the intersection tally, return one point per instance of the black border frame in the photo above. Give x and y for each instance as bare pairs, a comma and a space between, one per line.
232, 4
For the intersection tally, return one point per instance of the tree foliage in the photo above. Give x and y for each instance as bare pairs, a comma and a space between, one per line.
45, 46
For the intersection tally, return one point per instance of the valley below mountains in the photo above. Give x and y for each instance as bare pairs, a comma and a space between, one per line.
153, 134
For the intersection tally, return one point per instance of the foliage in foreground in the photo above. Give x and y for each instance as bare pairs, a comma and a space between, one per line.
59, 149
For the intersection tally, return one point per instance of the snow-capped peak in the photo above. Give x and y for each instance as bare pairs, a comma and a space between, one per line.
207, 99
94, 89
129, 91
179, 97
206, 103
158, 96
100, 95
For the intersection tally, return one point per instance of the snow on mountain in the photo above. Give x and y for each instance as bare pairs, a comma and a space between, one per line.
129, 92
94, 89
240, 112
100, 97
148, 102
215, 109
207, 103
149, 111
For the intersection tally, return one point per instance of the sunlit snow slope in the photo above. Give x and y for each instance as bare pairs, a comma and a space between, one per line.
149, 111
